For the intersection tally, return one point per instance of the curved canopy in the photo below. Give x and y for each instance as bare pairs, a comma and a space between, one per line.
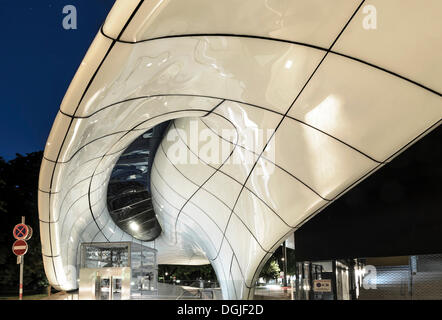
303, 100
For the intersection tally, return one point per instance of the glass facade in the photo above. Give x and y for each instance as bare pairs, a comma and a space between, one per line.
112, 255
141, 260
128, 195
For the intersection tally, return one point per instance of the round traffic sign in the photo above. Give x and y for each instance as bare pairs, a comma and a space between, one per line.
20, 231
30, 232
20, 247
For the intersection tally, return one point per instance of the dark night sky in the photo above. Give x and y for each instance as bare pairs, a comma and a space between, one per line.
39, 59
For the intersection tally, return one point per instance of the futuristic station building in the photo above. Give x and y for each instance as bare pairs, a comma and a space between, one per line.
209, 131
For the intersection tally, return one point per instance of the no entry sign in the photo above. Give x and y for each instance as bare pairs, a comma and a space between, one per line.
20, 247
20, 231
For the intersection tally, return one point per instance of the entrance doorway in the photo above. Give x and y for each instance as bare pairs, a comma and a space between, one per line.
105, 284
108, 288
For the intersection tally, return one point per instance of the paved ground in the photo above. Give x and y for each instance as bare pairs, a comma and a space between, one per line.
273, 293
25, 297
170, 292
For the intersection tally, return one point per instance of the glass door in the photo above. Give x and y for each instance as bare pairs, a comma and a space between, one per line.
102, 288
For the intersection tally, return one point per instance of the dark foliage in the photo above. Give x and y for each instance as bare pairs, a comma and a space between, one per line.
187, 273
18, 197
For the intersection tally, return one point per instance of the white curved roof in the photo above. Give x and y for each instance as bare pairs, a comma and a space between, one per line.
327, 100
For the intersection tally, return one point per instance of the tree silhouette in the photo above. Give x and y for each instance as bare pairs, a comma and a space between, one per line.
18, 197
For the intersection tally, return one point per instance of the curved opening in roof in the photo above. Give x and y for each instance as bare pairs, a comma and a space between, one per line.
129, 200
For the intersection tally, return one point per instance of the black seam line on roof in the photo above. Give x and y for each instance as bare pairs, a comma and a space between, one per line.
182, 197
71, 120
280, 122
149, 97
87, 226
71, 188
229, 176
336, 39
116, 133
233, 283
273, 163
313, 214
256, 274
69, 209
204, 212
91, 239
388, 71
430, 128
200, 187
85, 145
245, 103
72, 204
239, 183
335, 138
294, 229
67, 212
120, 139
233, 212
237, 262
223, 100
230, 268
214, 108
265, 146
100, 230
345, 26
275, 245
104, 226
216, 170
90, 203
231, 277
231, 35
87, 161
185, 213
426, 131
264, 259
80, 236
191, 181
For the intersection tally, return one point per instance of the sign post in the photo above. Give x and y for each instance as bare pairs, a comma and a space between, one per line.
21, 232
20, 288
